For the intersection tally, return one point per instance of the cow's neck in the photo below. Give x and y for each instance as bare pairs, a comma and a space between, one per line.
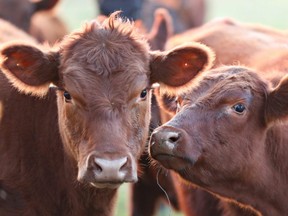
85, 199
265, 186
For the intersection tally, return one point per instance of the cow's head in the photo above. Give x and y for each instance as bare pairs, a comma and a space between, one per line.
104, 75
219, 132
19, 12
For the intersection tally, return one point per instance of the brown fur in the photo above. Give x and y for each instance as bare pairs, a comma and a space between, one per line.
237, 43
55, 142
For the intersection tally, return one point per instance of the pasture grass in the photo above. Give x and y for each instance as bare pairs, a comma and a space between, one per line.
267, 12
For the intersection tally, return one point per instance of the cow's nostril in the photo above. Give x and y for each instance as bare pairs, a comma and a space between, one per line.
93, 165
97, 167
124, 164
173, 138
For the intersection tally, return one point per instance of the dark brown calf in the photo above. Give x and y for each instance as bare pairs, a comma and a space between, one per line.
229, 137
100, 107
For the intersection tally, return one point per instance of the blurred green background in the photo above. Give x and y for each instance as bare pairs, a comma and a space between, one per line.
268, 12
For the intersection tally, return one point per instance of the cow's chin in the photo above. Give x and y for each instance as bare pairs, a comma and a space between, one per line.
173, 162
106, 185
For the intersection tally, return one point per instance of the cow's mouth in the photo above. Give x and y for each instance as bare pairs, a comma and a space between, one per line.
109, 185
173, 161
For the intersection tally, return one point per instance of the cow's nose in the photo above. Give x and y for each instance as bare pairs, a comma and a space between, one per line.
105, 169
106, 172
164, 140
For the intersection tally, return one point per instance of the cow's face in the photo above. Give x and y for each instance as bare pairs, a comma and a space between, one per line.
219, 129
104, 104
104, 76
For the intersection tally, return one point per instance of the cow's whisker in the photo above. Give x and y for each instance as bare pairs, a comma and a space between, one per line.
166, 194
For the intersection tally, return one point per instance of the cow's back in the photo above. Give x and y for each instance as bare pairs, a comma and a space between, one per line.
234, 42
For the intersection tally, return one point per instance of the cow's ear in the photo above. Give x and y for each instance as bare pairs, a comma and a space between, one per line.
277, 102
176, 68
28, 68
161, 30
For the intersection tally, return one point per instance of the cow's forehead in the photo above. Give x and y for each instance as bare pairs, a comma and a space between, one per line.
105, 48
225, 79
105, 58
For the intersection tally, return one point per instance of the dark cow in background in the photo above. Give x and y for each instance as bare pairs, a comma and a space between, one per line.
230, 137
67, 152
47, 26
185, 14
34, 17
20, 12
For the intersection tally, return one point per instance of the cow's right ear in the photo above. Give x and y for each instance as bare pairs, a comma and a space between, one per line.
176, 68
276, 108
28, 68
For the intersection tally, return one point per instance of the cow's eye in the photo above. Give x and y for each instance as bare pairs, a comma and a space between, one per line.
67, 96
143, 94
239, 108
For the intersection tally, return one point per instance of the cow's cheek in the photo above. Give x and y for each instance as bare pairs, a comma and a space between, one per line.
72, 129
140, 119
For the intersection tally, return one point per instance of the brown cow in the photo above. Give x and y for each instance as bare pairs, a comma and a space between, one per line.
234, 42
35, 17
223, 35
185, 14
20, 12
103, 75
229, 137
253, 45
9, 32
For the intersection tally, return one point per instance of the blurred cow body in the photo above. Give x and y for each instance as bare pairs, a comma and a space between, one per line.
34, 17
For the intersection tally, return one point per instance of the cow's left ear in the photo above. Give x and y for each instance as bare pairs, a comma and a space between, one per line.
179, 66
28, 68
277, 102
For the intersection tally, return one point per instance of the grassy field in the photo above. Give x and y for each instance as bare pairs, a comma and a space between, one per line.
267, 12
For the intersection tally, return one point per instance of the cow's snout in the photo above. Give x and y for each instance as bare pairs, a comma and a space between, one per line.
170, 146
108, 172
108, 169
164, 140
